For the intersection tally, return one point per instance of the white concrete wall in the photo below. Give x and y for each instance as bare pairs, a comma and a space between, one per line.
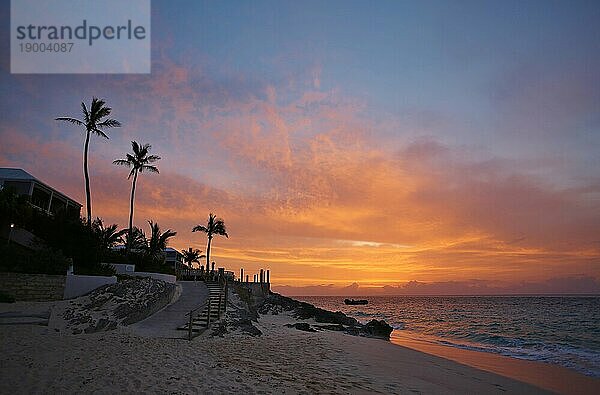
122, 268
169, 278
77, 285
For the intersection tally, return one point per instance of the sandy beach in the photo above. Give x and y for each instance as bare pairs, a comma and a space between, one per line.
38, 359
300, 197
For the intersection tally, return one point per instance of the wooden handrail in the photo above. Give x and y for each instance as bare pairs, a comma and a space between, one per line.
220, 307
192, 313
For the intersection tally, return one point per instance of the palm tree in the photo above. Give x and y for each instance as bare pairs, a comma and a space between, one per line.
94, 122
135, 240
108, 236
139, 161
158, 240
214, 226
190, 256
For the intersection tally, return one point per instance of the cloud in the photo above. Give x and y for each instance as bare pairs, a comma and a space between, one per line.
538, 99
294, 169
576, 285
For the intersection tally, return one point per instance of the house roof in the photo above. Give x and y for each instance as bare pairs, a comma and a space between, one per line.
15, 174
12, 174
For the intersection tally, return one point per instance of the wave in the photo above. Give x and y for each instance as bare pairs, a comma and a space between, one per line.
584, 361
563, 331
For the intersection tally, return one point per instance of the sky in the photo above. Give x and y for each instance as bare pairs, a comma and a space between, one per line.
352, 147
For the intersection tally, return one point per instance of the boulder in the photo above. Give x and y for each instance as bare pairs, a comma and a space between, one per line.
379, 329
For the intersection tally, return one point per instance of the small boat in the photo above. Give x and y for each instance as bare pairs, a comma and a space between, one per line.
357, 301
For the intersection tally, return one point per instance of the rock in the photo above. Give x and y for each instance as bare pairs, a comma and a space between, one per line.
303, 310
246, 326
379, 329
303, 326
338, 321
219, 329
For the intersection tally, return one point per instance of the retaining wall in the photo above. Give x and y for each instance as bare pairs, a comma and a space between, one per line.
77, 285
33, 287
257, 289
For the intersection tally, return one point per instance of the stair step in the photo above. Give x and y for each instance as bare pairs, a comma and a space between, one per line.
203, 316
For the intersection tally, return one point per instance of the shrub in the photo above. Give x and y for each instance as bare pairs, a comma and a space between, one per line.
15, 258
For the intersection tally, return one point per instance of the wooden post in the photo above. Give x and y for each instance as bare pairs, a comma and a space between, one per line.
247, 278
262, 276
241, 274
268, 279
208, 316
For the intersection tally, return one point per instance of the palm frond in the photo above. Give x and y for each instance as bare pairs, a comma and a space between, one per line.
200, 228
101, 113
135, 147
69, 119
144, 150
109, 123
97, 104
151, 169
166, 235
152, 158
122, 162
100, 133
86, 114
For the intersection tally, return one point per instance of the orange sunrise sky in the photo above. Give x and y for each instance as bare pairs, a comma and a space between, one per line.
396, 155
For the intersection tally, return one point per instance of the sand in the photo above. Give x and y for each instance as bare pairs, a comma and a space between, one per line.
37, 359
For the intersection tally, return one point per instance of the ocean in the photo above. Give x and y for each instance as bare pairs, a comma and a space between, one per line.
563, 330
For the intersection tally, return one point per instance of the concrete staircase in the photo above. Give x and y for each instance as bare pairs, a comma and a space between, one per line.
213, 309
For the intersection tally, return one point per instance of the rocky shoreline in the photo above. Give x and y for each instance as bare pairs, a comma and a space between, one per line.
244, 311
336, 321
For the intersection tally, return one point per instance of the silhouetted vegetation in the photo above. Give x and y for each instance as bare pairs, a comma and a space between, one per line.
94, 121
214, 226
191, 256
56, 238
138, 161
49, 243
147, 254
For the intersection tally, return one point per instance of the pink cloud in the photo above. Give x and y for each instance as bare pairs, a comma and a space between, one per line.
294, 172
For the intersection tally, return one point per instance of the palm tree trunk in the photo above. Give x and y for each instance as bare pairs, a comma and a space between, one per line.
87, 179
131, 205
208, 253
